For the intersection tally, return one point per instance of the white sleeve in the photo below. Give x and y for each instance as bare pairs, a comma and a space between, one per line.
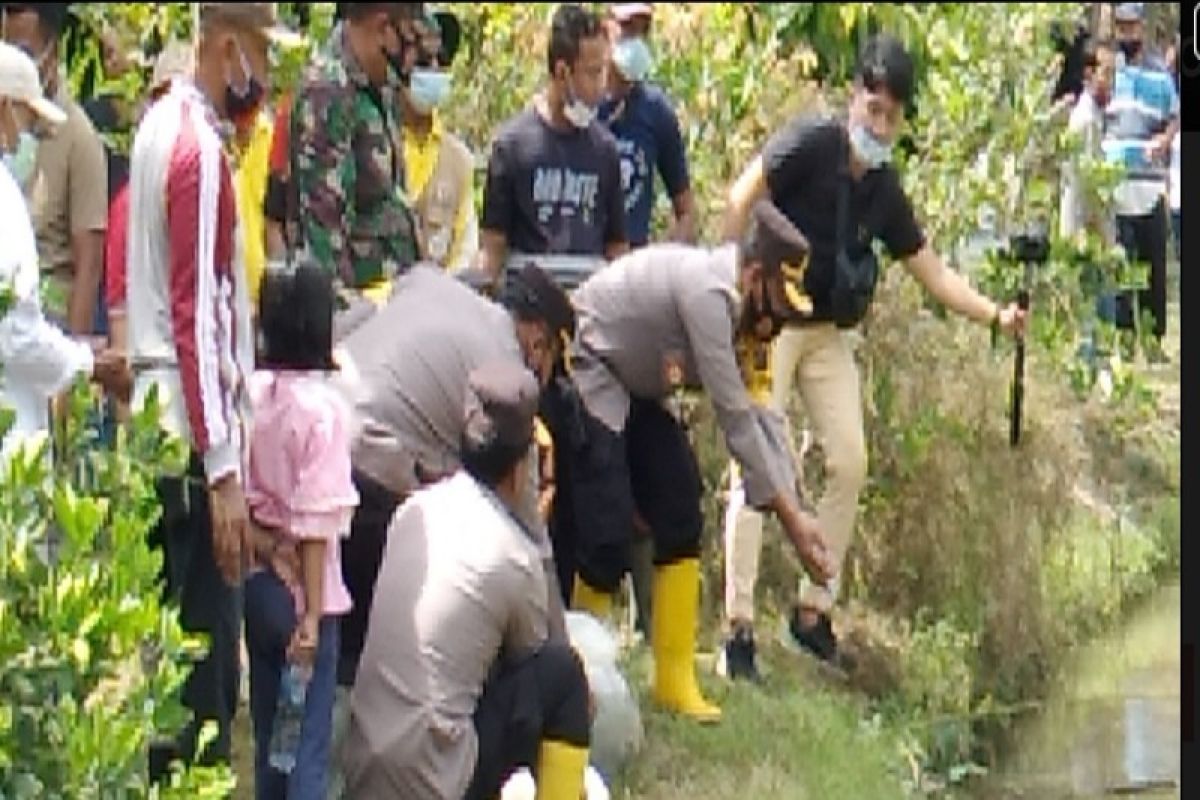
33, 353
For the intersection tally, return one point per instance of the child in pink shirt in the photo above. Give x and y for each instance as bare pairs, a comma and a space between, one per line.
299, 488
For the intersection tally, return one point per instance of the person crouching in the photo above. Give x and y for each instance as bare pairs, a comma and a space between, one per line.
459, 685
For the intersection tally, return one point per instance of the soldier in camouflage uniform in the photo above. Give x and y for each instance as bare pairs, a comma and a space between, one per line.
347, 156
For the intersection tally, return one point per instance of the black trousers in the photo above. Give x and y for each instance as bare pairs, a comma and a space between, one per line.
602, 477
543, 697
362, 553
1145, 239
207, 605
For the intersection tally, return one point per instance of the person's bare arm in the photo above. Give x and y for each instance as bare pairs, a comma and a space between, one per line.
87, 256
614, 250
312, 567
492, 253
1160, 145
684, 207
748, 189
953, 291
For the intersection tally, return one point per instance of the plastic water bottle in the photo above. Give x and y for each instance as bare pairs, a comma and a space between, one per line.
289, 719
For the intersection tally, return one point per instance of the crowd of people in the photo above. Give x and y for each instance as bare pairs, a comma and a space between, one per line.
1126, 112
418, 433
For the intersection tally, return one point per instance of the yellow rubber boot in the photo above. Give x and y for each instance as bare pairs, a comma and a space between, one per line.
594, 601
560, 771
673, 636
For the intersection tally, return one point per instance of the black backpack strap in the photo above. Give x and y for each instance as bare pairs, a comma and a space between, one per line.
842, 233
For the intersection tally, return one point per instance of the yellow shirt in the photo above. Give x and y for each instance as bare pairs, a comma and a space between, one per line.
253, 169
420, 160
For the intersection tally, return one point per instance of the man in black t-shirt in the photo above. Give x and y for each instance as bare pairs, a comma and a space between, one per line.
554, 178
801, 169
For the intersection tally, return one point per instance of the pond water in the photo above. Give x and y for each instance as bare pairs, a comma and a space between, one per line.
1110, 726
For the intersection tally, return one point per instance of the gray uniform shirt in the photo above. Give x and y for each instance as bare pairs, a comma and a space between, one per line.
404, 372
460, 583
666, 305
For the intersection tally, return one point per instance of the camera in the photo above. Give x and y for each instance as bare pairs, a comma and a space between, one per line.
1030, 248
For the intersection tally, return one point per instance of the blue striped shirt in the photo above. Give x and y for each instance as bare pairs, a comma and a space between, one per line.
1143, 103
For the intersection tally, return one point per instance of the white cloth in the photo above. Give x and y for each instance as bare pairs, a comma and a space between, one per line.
37, 360
1076, 212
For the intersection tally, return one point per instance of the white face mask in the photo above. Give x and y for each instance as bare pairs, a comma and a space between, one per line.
632, 58
873, 152
577, 112
428, 89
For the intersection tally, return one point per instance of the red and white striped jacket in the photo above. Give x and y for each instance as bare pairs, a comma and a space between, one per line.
188, 308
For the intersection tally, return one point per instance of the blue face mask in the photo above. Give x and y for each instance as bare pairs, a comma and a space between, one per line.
870, 150
632, 58
428, 89
22, 162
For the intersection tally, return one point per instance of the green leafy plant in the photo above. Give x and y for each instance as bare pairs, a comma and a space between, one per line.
91, 660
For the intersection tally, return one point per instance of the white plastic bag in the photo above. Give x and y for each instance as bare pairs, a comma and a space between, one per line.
617, 728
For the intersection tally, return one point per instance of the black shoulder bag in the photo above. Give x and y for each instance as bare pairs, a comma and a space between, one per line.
856, 269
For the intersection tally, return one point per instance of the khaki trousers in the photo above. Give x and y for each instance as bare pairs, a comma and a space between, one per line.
818, 362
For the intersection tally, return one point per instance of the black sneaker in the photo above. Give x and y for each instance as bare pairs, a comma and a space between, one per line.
740, 663
817, 640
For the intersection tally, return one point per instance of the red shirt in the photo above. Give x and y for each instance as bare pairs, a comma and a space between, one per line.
115, 249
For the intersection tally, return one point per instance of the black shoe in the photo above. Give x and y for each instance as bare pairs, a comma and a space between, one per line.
817, 640
740, 662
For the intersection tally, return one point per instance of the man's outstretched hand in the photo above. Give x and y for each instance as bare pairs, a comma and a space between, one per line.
809, 540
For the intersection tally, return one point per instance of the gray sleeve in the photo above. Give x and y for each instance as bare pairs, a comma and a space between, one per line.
765, 468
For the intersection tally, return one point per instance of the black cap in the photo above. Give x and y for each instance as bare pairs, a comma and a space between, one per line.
533, 294
449, 30
501, 403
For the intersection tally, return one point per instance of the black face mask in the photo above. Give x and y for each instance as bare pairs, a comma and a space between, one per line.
241, 106
1130, 47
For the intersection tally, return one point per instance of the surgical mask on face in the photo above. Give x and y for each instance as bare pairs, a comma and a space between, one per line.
428, 89
632, 58
242, 105
22, 161
577, 112
873, 152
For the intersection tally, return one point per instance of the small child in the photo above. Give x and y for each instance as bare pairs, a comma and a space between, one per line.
299, 489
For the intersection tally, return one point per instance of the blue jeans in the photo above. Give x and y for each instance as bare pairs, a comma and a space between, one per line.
270, 620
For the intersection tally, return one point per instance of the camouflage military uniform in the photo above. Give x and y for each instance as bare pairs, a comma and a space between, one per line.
354, 217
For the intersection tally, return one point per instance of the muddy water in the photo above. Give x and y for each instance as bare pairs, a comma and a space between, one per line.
1110, 727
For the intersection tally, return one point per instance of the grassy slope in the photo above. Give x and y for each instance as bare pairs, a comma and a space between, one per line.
797, 736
